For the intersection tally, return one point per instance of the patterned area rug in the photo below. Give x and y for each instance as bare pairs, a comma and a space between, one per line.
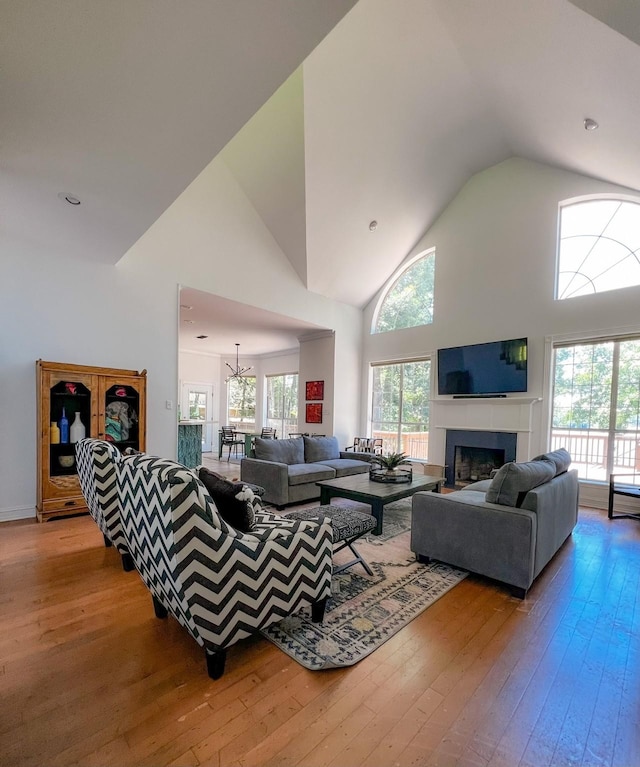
396, 519
363, 612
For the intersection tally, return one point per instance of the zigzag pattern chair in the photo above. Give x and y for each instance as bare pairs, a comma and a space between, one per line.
96, 460
220, 584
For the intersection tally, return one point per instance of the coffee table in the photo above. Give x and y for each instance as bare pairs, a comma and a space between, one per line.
359, 487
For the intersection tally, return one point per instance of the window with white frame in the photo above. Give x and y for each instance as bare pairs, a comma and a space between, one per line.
598, 249
596, 406
282, 403
241, 399
408, 302
400, 407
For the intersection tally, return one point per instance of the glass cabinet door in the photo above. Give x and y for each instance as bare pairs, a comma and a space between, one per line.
69, 415
121, 415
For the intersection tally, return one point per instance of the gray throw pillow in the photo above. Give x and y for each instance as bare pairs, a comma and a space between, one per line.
287, 451
514, 480
560, 458
236, 511
321, 449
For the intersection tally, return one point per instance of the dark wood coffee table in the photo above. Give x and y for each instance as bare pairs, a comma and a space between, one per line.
377, 494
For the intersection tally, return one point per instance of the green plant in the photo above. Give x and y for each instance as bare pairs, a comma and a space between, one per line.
390, 461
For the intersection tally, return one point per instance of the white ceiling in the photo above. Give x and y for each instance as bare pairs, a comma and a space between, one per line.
122, 104
405, 100
227, 323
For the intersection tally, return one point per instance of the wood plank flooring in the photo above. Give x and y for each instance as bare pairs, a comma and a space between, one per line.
88, 675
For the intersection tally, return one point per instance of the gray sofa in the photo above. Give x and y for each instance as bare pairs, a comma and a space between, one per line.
507, 528
288, 469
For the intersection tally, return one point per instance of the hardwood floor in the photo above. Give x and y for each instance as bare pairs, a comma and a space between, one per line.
89, 676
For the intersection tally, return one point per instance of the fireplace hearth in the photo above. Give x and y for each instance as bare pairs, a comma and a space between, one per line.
470, 456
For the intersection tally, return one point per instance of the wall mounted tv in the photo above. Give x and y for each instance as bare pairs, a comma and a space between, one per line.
499, 367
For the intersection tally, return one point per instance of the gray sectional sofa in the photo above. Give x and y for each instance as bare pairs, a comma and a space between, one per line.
506, 528
288, 469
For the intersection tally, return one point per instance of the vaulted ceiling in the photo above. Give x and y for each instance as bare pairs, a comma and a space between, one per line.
397, 104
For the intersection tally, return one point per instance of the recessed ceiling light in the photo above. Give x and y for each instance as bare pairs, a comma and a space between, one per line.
373, 226
202, 337
186, 307
590, 124
70, 198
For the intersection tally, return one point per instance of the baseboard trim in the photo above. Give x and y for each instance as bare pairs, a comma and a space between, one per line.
22, 512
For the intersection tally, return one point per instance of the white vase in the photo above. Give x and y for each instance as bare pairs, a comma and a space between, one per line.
77, 430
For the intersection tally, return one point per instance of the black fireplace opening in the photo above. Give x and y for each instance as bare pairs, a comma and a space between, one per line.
472, 464
470, 456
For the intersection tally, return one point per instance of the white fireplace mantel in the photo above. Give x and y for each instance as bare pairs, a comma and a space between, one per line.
506, 414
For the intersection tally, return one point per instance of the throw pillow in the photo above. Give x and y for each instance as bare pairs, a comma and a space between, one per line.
514, 480
560, 458
321, 449
289, 451
231, 499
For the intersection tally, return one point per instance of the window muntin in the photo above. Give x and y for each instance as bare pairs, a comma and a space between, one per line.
596, 406
598, 248
282, 403
400, 407
409, 300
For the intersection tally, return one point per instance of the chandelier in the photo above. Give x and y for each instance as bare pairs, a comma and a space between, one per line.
237, 373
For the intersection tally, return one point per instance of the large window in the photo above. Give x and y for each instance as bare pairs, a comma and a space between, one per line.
400, 413
241, 412
409, 300
282, 403
596, 406
598, 248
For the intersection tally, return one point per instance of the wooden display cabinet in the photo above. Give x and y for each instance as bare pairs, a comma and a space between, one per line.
112, 406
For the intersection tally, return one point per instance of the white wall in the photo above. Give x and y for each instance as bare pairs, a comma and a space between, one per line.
317, 363
127, 316
495, 269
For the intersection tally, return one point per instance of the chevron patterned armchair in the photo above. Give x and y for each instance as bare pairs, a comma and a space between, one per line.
220, 584
96, 460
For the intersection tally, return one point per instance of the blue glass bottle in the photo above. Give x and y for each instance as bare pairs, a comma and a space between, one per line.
64, 429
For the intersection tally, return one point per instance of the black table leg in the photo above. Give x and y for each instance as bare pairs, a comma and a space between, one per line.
325, 495
376, 509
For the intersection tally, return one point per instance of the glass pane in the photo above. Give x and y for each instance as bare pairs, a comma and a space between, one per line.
400, 407
416, 393
242, 403
197, 405
70, 421
581, 406
386, 393
599, 240
409, 302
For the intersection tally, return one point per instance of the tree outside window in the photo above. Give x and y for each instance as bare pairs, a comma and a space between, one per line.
409, 301
400, 411
242, 403
596, 406
282, 403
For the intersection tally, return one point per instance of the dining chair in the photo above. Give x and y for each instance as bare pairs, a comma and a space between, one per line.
268, 432
231, 439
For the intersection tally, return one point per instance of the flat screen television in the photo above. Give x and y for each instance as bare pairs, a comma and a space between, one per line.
499, 367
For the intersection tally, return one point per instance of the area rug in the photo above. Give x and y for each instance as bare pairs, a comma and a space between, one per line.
363, 612
396, 519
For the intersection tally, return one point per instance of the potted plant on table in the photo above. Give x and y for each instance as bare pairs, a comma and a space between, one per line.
390, 463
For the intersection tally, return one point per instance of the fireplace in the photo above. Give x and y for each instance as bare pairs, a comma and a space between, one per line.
471, 455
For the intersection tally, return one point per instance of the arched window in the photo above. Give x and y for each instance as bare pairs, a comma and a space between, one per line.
598, 247
408, 301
